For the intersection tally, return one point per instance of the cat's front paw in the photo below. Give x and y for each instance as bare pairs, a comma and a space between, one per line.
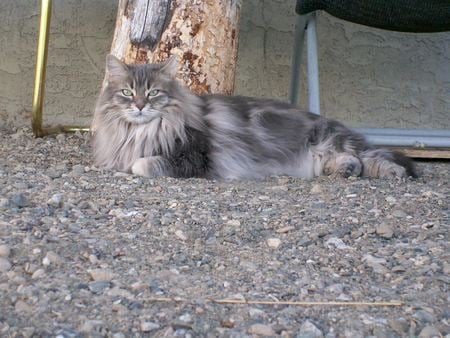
343, 165
149, 166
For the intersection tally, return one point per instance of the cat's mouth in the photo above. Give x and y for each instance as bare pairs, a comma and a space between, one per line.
140, 116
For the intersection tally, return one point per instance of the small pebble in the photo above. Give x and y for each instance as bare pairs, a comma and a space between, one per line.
51, 258
399, 325
309, 330
391, 199
186, 318
38, 274
28, 332
101, 274
384, 231
4, 250
376, 263
149, 326
181, 235
20, 200
424, 316
430, 332
316, 189
261, 330
56, 200
284, 230
228, 323
5, 265
337, 243
4, 202
273, 243
118, 335
234, 222
255, 313
78, 169
53, 173
399, 214
23, 308
99, 286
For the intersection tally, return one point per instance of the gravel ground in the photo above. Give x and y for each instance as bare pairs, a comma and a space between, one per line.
87, 253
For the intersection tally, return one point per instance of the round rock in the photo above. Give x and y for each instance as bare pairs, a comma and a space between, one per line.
261, 330
384, 231
5, 265
429, 332
4, 250
20, 200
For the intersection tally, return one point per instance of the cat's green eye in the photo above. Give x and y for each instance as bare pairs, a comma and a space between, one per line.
127, 92
153, 92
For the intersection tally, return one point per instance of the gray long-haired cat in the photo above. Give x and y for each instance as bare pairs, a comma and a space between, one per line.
148, 124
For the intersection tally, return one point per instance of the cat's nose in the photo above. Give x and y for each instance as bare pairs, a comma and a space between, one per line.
140, 105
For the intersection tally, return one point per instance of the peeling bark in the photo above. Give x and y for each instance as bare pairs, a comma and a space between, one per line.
202, 33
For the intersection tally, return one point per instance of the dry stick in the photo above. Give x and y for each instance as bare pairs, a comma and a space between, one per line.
294, 303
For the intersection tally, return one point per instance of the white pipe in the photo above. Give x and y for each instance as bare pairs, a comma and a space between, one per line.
419, 138
313, 66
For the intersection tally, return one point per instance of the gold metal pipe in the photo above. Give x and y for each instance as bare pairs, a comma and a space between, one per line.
39, 80
41, 64
63, 129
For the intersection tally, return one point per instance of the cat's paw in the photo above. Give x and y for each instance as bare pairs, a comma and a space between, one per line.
148, 166
352, 168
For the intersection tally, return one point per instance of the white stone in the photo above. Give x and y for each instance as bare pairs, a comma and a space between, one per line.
181, 235
234, 222
274, 243
38, 274
149, 326
337, 243
56, 200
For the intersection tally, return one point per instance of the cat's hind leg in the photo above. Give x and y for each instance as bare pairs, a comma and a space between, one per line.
152, 166
385, 163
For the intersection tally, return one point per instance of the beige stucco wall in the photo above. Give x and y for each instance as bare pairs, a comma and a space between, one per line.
368, 77
81, 34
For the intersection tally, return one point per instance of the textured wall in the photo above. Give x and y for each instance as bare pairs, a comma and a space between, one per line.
81, 34
368, 77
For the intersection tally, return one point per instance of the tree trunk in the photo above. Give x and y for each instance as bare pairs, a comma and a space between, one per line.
203, 34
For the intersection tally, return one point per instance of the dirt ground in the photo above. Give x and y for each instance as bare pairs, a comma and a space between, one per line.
89, 253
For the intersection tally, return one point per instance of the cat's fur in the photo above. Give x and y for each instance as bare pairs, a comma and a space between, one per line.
176, 133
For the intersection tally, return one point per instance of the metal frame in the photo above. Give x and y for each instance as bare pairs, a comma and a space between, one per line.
39, 80
417, 138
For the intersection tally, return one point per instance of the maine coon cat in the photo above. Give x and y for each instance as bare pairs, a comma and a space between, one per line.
148, 124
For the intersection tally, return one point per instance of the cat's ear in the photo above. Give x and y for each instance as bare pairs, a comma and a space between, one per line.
115, 68
170, 66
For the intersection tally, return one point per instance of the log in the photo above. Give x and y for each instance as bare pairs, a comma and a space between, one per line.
202, 34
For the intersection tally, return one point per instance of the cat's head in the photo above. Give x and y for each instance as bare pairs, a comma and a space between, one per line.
139, 93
